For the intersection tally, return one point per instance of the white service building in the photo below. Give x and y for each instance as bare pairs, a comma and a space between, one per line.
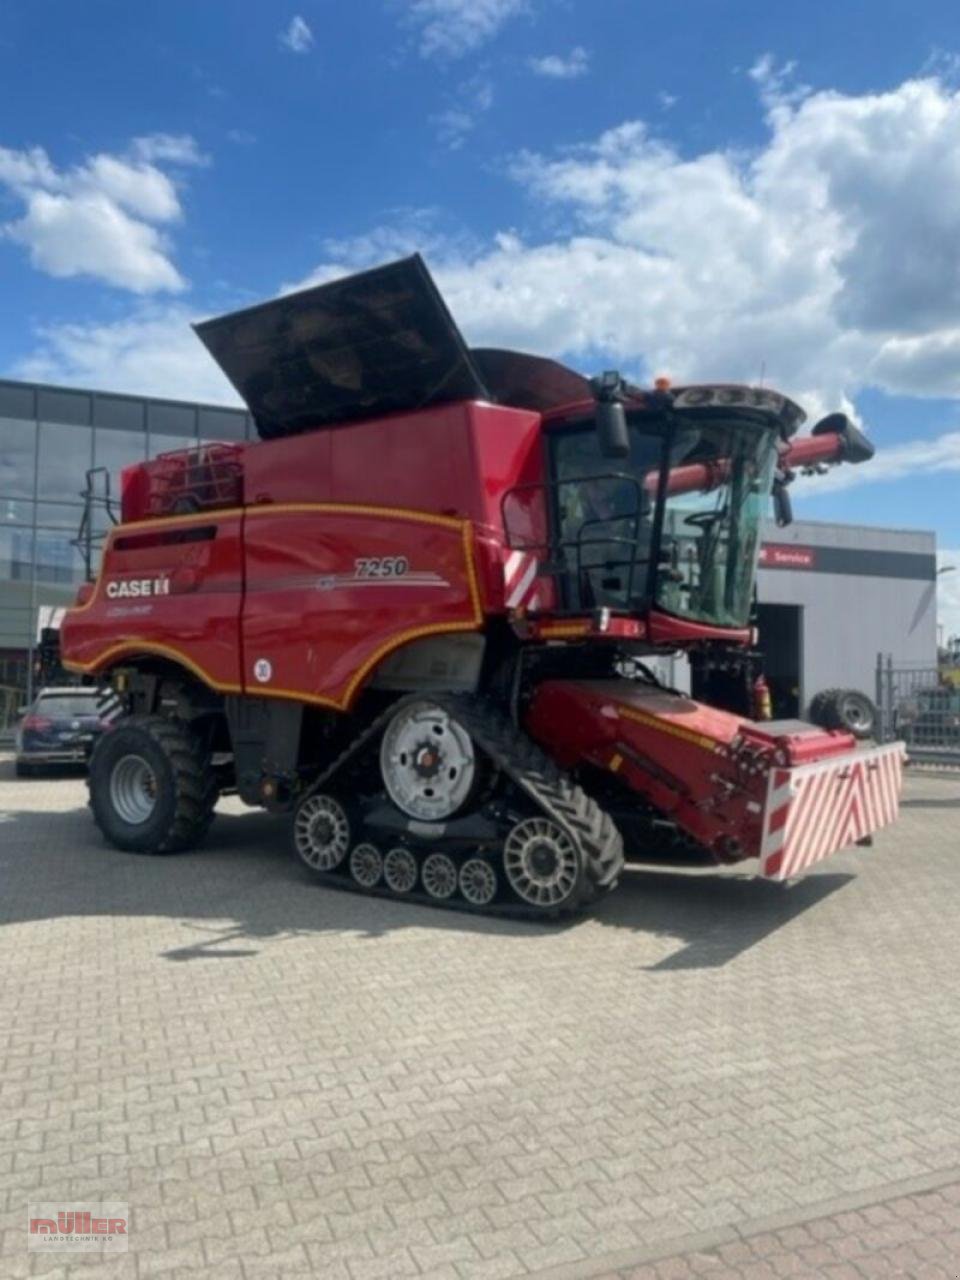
833, 596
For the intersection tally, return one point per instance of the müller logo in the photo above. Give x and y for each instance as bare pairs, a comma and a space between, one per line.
130, 587
85, 1228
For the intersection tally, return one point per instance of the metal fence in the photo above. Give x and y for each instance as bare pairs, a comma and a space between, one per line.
11, 699
920, 706
13, 694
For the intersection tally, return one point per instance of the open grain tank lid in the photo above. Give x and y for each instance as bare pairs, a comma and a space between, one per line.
371, 344
375, 343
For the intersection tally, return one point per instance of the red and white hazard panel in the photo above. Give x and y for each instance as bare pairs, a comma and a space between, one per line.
522, 588
816, 809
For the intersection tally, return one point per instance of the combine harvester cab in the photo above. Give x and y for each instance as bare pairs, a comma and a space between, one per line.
415, 615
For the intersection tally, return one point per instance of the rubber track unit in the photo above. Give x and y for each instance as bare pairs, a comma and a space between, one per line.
531, 771
196, 784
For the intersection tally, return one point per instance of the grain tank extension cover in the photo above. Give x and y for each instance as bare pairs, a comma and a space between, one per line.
379, 342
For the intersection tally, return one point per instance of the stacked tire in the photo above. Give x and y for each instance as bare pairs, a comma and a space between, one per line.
844, 709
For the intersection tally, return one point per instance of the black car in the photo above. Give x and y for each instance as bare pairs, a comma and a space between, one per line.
60, 727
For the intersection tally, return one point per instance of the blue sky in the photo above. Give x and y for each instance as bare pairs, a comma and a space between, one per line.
709, 188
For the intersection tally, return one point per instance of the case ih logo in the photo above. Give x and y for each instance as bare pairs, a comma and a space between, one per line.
136, 587
779, 556
86, 1228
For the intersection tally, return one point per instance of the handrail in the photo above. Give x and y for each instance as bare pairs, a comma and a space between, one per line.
88, 539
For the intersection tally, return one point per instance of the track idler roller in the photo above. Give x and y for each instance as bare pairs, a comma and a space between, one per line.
321, 833
478, 882
539, 872
542, 864
366, 866
439, 876
400, 870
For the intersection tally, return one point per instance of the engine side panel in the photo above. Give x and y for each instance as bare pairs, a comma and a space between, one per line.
332, 590
167, 588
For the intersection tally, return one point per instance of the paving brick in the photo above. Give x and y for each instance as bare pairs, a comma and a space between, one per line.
282, 1079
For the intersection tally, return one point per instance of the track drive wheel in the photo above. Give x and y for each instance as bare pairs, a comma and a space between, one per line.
430, 767
152, 788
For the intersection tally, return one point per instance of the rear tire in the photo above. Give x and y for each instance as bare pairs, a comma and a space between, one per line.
152, 787
24, 770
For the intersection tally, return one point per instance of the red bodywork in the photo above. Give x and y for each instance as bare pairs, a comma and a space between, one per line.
788, 795
314, 557
301, 574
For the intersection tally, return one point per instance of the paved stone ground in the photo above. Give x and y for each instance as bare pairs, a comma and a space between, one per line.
916, 1236
285, 1080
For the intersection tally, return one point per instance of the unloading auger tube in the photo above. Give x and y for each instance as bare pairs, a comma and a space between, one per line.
529, 842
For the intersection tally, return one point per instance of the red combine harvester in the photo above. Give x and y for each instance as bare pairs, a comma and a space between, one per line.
415, 614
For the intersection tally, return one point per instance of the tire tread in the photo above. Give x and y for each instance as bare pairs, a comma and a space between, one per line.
195, 785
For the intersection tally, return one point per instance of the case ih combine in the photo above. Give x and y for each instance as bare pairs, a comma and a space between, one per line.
414, 615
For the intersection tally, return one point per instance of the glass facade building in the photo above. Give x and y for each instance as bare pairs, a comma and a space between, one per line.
49, 438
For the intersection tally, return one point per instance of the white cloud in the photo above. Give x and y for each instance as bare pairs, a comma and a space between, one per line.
139, 188
91, 235
154, 351
175, 148
411, 230
948, 593
473, 99
944, 64
556, 67
708, 266
825, 257
451, 28
296, 36
22, 170
928, 365
103, 217
776, 82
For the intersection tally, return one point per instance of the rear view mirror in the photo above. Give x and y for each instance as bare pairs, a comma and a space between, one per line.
612, 429
610, 415
782, 506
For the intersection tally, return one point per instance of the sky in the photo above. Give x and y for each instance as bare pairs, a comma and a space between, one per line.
709, 189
